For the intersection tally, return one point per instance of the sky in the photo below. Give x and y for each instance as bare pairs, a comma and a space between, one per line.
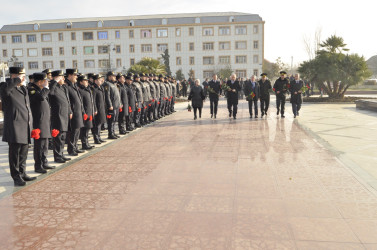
286, 22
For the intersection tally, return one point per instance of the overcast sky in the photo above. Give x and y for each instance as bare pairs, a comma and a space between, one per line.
287, 22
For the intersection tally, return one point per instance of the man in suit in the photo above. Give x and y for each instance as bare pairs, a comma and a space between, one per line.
264, 87
214, 84
251, 90
232, 95
17, 123
296, 94
280, 88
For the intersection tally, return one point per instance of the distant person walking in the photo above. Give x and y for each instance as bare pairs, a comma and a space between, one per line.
197, 96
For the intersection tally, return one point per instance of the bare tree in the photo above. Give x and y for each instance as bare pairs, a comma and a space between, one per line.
311, 46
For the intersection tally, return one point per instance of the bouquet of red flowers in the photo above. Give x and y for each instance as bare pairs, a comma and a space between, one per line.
54, 133
108, 116
129, 109
188, 107
120, 110
90, 118
225, 87
304, 89
250, 97
85, 117
36, 133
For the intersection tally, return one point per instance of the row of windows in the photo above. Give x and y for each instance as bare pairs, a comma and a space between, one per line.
210, 60
144, 33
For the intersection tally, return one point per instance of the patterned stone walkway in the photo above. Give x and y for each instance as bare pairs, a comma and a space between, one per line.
204, 184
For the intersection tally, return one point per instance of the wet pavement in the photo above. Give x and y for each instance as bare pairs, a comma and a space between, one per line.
199, 184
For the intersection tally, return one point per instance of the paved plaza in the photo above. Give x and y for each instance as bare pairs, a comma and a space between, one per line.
220, 183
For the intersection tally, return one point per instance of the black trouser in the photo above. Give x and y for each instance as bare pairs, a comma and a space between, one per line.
122, 121
73, 137
255, 102
151, 111
111, 121
280, 103
17, 159
232, 106
84, 135
40, 152
129, 119
184, 92
213, 105
296, 108
59, 145
200, 112
155, 110
137, 114
264, 104
172, 105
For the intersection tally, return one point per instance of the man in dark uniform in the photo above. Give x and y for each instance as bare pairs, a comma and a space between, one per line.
61, 113
131, 103
31, 80
264, 87
280, 88
163, 96
147, 100
214, 84
123, 110
173, 84
40, 108
168, 93
251, 89
152, 89
112, 99
100, 107
184, 88
17, 123
48, 74
78, 112
296, 94
136, 85
154, 81
232, 95
89, 111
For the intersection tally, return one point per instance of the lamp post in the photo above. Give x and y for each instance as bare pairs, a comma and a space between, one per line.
109, 51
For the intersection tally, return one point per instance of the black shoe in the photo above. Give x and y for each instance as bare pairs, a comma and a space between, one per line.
123, 132
39, 170
60, 160
28, 178
117, 136
97, 142
73, 154
277, 113
294, 116
102, 141
230, 114
215, 116
79, 151
138, 125
262, 115
211, 115
66, 158
194, 117
251, 116
256, 116
19, 182
282, 116
48, 167
234, 117
87, 147
112, 137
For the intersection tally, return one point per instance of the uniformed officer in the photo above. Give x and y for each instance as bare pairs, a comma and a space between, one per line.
163, 96
214, 84
264, 87
112, 99
100, 106
40, 108
31, 80
61, 114
296, 94
123, 110
152, 90
17, 123
168, 97
157, 94
173, 85
280, 88
131, 103
139, 100
48, 74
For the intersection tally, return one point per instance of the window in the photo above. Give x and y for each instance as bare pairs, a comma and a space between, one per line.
224, 59
162, 33
103, 63
117, 34
103, 49
132, 23
164, 21
119, 63
192, 60
240, 59
231, 19
46, 37
208, 31
224, 31
19, 64
62, 64
3, 39
74, 51
208, 60
87, 35
178, 32
131, 34
61, 38
256, 44
241, 73
48, 65
178, 47
146, 48
33, 65
69, 25
255, 59
207, 46
17, 52
132, 61
197, 20
73, 36
47, 52
178, 61
16, 39
61, 51
100, 24
102, 35
224, 45
132, 48
255, 29
191, 46
117, 49
191, 31
146, 33
162, 47
241, 45
74, 64
31, 38
5, 53
88, 50
240, 30
36, 27
32, 52
208, 73
89, 63
255, 71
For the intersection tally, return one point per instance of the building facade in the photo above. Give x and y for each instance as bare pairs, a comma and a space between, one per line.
201, 42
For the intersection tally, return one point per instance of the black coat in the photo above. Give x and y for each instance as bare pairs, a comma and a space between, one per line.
282, 86
112, 96
196, 96
99, 102
138, 91
216, 87
131, 97
296, 87
88, 104
17, 114
248, 87
40, 108
123, 100
60, 106
76, 105
233, 96
264, 88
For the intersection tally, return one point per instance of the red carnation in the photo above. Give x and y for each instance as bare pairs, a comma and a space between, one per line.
120, 110
145, 107
85, 117
159, 103
90, 118
273, 89
54, 132
139, 109
35, 133
129, 109
149, 105
153, 100
108, 116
